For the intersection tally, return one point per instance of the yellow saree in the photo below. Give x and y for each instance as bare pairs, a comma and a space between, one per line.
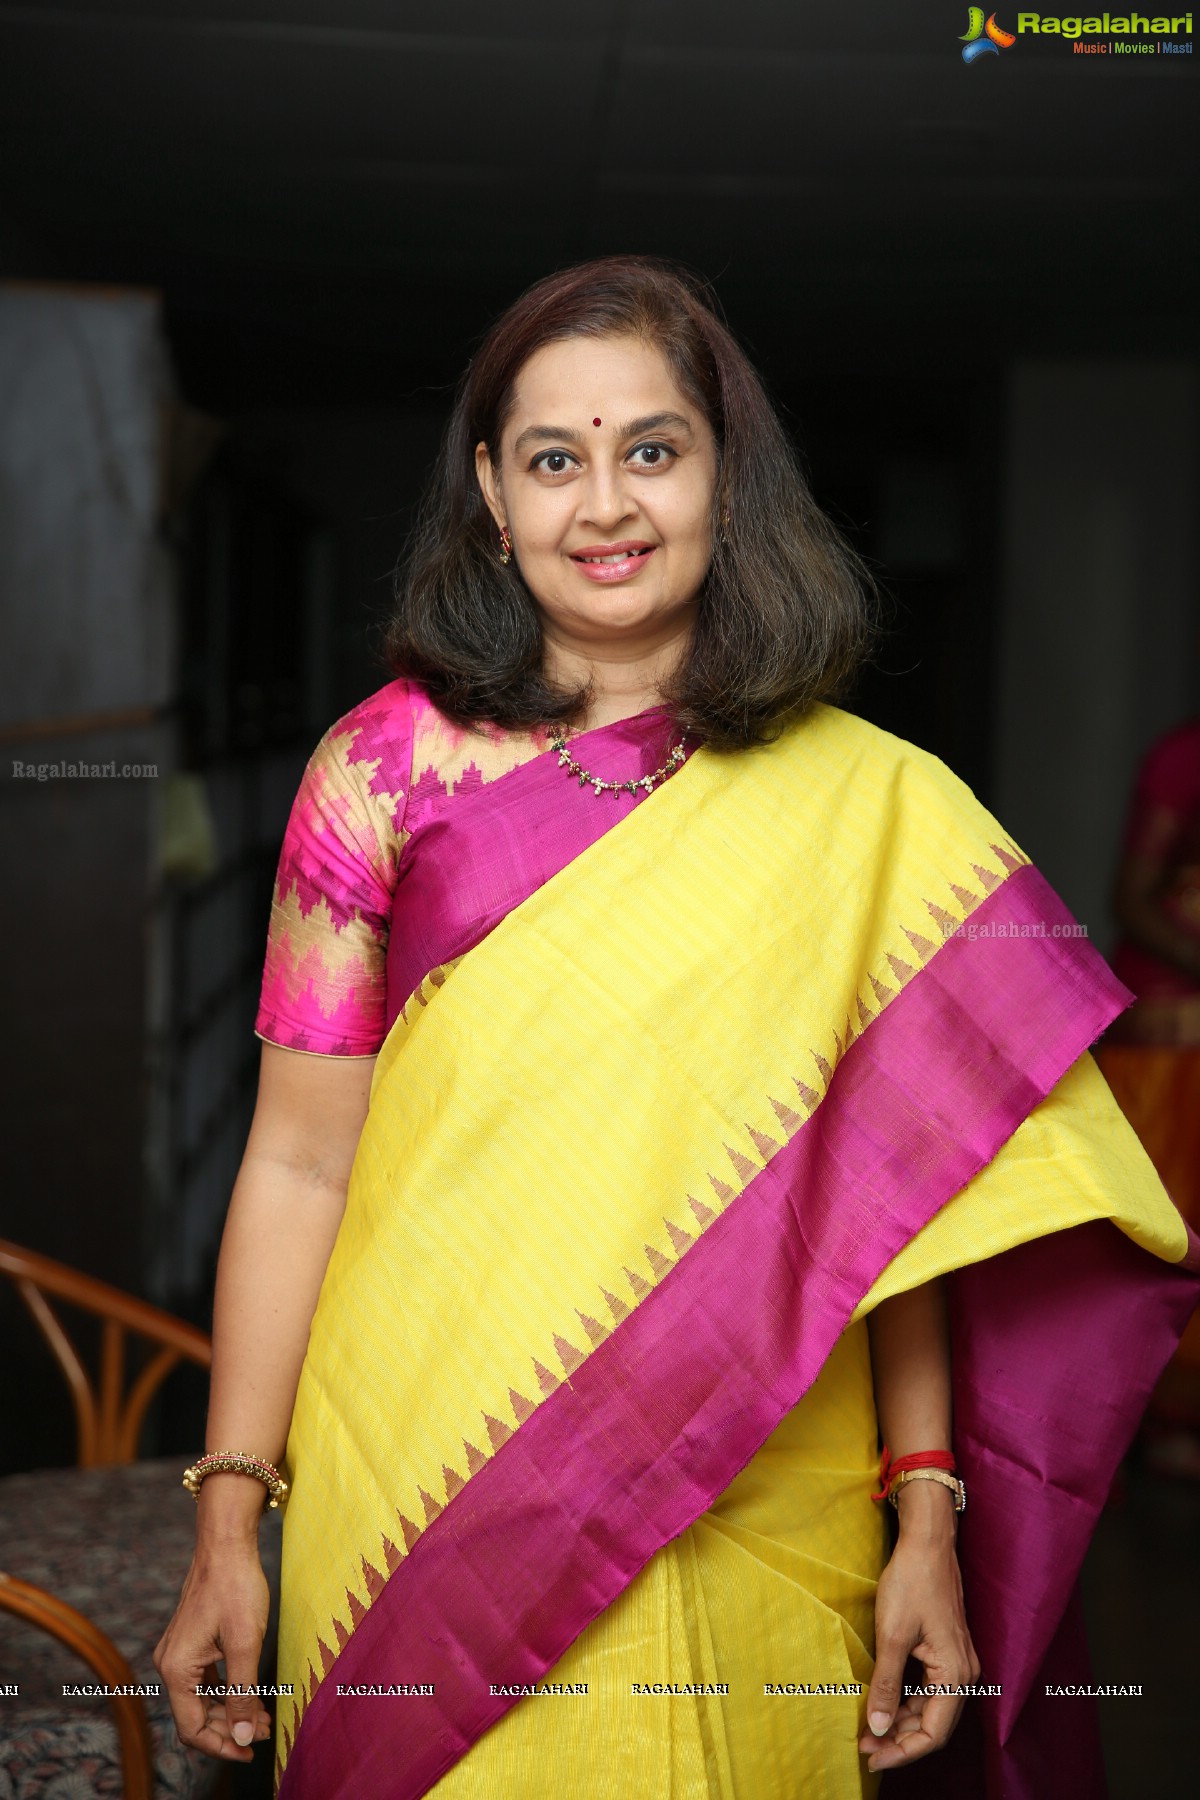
587, 1402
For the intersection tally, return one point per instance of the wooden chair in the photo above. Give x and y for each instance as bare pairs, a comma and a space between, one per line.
101, 1655
108, 1540
108, 1425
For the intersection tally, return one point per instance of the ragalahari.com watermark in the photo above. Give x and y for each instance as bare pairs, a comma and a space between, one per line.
84, 771
1012, 928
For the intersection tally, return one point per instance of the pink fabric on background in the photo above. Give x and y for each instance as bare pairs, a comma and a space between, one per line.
1164, 826
559, 1520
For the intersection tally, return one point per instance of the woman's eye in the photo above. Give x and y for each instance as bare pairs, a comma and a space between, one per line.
650, 456
554, 462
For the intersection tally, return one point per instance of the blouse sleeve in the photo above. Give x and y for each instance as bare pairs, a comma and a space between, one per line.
324, 984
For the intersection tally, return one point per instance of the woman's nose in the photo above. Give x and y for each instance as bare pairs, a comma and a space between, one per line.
606, 499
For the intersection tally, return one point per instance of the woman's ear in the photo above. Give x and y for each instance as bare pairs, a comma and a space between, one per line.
489, 486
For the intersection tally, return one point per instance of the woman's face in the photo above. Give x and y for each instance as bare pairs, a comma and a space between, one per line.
605, 482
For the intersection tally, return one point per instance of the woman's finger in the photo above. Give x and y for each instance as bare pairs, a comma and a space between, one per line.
942, 1713
183, 1671
217, 1720
924, 1724
243, 1709
886, 1690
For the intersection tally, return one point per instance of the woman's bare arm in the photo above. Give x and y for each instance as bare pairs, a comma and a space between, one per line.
284, 1215
919, 1603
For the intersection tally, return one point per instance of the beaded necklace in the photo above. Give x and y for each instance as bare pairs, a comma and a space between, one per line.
646, 783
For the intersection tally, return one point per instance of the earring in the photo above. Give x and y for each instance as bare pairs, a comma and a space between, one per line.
505, 545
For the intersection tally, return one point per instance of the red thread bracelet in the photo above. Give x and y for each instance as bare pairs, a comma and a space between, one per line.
920, 1459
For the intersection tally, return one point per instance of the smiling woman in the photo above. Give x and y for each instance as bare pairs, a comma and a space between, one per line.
645, 488
629, 1162
611, 423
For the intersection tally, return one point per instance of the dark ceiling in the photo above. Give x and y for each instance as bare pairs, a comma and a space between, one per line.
334, 195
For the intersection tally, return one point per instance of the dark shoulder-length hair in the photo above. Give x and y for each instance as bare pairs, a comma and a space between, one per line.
784, 614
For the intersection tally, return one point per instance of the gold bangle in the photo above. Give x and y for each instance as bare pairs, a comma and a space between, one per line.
236, 1462
943, 1475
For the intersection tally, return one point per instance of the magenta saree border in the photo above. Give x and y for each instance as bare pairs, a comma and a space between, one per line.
460, 875
659, 1418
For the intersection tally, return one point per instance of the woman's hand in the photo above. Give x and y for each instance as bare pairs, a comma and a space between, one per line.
222, 1613
918, 1612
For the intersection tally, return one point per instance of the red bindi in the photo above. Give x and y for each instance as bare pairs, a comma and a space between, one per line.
597, 421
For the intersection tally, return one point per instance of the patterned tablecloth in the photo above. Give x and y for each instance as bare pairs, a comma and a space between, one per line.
116, 1544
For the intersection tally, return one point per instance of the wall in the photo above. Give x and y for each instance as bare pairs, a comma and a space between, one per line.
87, 601
1098, 650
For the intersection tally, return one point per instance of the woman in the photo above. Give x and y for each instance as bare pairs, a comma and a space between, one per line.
687, 1162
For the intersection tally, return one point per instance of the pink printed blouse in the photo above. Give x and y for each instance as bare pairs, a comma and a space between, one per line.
376, 782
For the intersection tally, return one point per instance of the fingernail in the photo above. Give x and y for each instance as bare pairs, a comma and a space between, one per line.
243, 1732
879, 1723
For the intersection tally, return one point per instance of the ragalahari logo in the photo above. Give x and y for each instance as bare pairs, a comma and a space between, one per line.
980, 39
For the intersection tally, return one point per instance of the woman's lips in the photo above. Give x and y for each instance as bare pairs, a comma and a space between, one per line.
612, 562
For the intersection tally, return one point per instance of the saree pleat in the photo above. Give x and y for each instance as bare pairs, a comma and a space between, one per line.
778, 1575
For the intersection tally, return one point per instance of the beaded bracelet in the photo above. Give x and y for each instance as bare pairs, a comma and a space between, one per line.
235, 1462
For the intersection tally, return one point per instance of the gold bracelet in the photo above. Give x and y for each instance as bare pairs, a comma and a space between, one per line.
235, 1462
947, 1480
